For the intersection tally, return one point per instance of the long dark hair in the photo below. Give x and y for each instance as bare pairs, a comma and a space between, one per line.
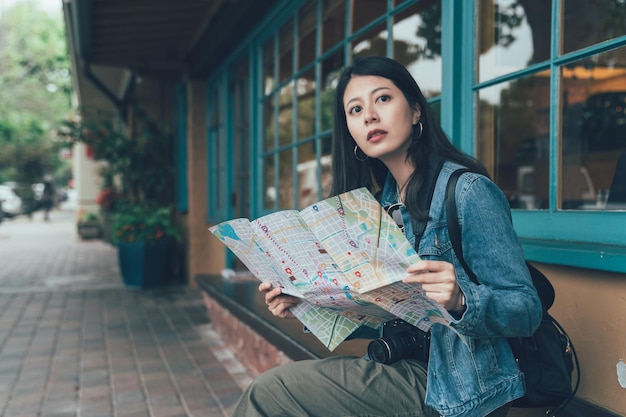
433, 144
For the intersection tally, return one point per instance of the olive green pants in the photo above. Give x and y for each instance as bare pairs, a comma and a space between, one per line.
339, 387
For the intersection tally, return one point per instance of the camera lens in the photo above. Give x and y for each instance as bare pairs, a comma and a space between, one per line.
393, 348
379, 351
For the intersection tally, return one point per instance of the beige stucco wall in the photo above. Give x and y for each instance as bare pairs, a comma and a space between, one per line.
205, 252
591, 305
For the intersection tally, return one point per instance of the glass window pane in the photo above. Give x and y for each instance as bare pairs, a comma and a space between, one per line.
268, 66
417, 44
511, 35
285, 180
334, 23
589, 22
593, 113
307, 31
365, 11
217, 151
327, 174
285, 39
305, 89
268, 123
270, 192
513, 138
241, 132
285, 115
331, 71
308, 183
372, 42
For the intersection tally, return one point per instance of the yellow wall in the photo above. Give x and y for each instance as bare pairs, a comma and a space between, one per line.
591, 305
205, 252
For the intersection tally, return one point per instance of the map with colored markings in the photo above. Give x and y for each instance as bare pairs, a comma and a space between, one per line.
344, 257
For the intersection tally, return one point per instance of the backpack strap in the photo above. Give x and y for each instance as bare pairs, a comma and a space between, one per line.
425, 198
454, 229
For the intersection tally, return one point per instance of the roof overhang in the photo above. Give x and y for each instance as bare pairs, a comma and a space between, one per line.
112, 42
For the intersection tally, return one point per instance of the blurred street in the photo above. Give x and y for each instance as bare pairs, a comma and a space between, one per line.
74, 341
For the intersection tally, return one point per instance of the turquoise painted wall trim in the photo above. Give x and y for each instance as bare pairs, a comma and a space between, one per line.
594, 227
583, 255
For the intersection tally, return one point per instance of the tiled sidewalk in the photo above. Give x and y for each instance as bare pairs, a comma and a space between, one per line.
75, 342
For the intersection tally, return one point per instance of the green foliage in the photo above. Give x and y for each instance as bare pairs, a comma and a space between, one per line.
133, 223
35, 87
143, 162
89, 217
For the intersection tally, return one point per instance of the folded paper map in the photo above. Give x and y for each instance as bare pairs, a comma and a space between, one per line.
343, 256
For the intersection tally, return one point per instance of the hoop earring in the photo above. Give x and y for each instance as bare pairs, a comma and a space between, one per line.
356, 155
421, 129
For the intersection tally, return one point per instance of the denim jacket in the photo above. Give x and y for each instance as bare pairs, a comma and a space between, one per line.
476, 374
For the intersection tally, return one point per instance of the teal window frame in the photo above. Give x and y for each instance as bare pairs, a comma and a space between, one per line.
590, 239
219, 147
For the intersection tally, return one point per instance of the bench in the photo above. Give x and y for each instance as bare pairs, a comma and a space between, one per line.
261, 341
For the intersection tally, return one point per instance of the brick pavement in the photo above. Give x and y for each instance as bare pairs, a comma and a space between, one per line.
75, 342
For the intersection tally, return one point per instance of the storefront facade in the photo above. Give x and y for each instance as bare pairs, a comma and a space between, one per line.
536, 90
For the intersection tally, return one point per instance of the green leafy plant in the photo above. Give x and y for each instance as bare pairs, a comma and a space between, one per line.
139, 155
89, 217
134, 223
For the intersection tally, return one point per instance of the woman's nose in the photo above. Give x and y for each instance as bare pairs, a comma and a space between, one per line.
370, 116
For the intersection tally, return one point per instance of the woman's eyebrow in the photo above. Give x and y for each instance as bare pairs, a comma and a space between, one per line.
374, 91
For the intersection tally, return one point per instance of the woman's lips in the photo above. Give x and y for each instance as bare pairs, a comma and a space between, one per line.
375, 135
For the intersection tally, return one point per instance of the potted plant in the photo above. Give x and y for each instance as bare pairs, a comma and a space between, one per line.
143, 236
89, 226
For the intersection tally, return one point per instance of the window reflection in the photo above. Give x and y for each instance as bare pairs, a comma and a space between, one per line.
268, 122
365, 11
307, 31
593, 115
512, 139
285, 114
305, 90
333, 23
285, 178
285, 50
308, 179
372, 42
270, 193
331, 71
417, 44
241, 133
587, 22
511, 35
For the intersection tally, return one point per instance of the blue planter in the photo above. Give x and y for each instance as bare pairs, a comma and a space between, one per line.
143, 265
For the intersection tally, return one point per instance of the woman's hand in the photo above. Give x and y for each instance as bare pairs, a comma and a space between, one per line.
438, 283
277, 302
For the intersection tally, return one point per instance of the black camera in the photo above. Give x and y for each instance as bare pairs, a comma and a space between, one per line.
400, 340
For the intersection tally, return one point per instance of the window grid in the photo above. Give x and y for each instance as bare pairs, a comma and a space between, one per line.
554, 235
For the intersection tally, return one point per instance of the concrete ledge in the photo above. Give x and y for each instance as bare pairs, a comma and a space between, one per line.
260, 340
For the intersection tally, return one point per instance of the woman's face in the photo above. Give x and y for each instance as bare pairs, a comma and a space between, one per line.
379, 117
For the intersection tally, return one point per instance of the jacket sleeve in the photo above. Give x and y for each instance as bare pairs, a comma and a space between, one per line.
505, 304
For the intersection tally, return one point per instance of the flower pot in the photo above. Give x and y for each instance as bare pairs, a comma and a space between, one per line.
89, 230
143, 264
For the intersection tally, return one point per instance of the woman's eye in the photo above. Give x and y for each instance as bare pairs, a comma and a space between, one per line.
384, 98
355, 109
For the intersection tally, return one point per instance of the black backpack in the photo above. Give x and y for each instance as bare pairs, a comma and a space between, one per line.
547, 358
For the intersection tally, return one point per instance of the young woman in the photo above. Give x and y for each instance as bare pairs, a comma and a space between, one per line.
386, 137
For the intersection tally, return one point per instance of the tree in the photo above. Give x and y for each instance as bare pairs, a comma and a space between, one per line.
35, 88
